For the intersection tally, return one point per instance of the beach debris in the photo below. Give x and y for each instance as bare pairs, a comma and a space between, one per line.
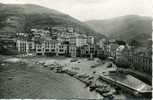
74, 60
2, 64
109, 65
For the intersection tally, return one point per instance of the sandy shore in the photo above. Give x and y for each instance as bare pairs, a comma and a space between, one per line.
30, 80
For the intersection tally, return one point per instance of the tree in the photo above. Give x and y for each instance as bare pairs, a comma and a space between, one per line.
120, 42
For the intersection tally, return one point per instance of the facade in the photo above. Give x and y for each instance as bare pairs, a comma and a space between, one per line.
102, 43
90, 40
81, 41
112, 49
58, 29
73, 50
22, 43
99, 52
73, 40
25, 47
51, 47
61, 49
40, 33
40, 49
60, 41
70, 29
85, 50
22, 46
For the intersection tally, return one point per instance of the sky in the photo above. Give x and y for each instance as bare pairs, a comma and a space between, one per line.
94, 9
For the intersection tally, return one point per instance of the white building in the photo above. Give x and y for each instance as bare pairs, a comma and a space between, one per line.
40, 49
70, 29
120, 50
61, 49
101, 43
72, 50
23, 45
81, 41
41, 33
90, 39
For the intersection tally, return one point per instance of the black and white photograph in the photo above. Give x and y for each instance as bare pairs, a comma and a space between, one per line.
76, 49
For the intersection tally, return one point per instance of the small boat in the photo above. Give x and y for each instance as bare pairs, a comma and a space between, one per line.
102, 90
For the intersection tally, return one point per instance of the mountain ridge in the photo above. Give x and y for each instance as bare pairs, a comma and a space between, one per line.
126, 27
22, 17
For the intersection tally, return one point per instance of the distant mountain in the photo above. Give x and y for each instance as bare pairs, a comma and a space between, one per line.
124, 28
21, 18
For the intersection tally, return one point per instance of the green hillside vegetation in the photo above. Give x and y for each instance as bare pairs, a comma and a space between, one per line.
21, 18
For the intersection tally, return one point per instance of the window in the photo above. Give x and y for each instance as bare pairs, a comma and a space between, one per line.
39, 46
47, 44
61, 50
86, 52
47, 50
39, 50
53, 50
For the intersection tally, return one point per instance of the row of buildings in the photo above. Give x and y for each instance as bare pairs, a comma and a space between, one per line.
64, 41
58, 41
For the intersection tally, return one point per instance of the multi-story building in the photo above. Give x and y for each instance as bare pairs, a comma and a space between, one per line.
73, 40
61, 49
102, 43
22, 46
40, 49
85, 50
58, 29
81, 40
99, 52
51, 47
47, 47
22, 43
31, 46
90, 39
70, 29
73, 50
67, 42
41, 32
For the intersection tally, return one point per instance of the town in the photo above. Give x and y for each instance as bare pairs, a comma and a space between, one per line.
76, 49
64, 41
61, 41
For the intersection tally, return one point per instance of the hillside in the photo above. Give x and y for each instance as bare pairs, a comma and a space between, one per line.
125, 27
21, 18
